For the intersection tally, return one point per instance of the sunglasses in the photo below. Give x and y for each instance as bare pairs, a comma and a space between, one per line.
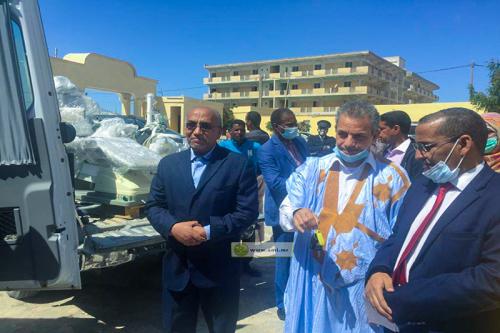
427, 147
204, 126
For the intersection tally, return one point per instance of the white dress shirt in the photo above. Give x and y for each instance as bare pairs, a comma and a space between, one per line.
459, 184
396, 155
348, 177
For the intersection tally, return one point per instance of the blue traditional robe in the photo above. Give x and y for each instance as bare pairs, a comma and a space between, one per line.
325, 290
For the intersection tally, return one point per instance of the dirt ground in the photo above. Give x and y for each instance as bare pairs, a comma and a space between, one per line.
127, 299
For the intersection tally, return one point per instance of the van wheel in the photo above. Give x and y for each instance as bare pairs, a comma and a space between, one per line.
21, 294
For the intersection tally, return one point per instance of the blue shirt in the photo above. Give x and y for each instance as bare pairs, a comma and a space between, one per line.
248, 148
198, 166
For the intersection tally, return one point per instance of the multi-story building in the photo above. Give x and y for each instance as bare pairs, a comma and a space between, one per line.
317, 84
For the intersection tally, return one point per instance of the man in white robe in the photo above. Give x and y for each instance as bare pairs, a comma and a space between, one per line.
342, 207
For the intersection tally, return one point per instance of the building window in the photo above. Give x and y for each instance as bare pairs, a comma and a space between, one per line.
275, 69
213, 74
271, 103
236, 89
315, 104
293, 104
317, 67
254, 104
347, 84
254, 88
271, 86
255, 71
213, 90
295, 86
295, 68
317, 85
348, 64
236, 73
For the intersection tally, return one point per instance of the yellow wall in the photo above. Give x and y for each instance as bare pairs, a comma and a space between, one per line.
176, 109
415, 111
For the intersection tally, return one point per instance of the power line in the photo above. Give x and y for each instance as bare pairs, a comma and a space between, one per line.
450, 68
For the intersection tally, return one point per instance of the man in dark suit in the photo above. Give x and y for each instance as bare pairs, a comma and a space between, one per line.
277, 159
255, 133
394, 129
201, 200
440, 270
321, 144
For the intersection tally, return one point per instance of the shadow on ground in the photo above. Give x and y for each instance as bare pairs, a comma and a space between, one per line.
127, 299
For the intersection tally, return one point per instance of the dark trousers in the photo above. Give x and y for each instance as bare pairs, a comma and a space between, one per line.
219, 306
282, 267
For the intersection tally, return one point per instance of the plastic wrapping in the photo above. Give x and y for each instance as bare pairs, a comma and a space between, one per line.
115, 128
74, 106
164, 146
111, 142
70, 96
122, 154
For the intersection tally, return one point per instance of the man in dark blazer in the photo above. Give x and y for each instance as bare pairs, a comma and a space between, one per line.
321, 144
394, 129
277, 159
201, 200
440, 270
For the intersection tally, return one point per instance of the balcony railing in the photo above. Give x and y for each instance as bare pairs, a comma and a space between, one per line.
233, 95
343, 71
294, 92
315, 109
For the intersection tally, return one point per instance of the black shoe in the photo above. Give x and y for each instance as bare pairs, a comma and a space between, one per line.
281, 314
250, 271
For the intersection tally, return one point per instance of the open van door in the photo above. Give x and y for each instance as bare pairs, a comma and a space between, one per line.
38, 229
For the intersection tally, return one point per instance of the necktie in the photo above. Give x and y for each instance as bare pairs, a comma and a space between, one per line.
399, 274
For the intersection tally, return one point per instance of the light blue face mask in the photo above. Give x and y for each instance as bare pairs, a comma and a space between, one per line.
491, 144
440, 172
290, 133
351, 158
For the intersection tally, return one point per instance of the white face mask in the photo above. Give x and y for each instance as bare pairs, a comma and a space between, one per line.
441, 173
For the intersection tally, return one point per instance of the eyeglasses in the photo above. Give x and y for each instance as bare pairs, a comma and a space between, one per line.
427, 147
204, 126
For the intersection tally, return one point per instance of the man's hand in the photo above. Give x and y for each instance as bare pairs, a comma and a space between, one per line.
188, 233
374, 289
200, 232
304, 219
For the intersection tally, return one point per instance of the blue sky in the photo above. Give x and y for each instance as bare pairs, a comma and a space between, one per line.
171, 40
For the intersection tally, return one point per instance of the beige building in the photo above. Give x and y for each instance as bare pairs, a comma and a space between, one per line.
317, 84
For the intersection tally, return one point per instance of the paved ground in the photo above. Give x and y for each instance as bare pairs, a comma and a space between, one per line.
127, 299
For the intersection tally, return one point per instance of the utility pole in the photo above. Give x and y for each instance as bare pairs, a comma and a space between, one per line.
472, 74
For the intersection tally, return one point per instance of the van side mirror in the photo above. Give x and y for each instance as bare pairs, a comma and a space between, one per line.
68, 132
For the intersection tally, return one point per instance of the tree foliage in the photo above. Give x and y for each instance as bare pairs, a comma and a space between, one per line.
489, 101
304, 126
227, 118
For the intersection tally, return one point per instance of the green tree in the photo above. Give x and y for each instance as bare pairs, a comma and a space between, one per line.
489, 101
227, 118
304, 126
